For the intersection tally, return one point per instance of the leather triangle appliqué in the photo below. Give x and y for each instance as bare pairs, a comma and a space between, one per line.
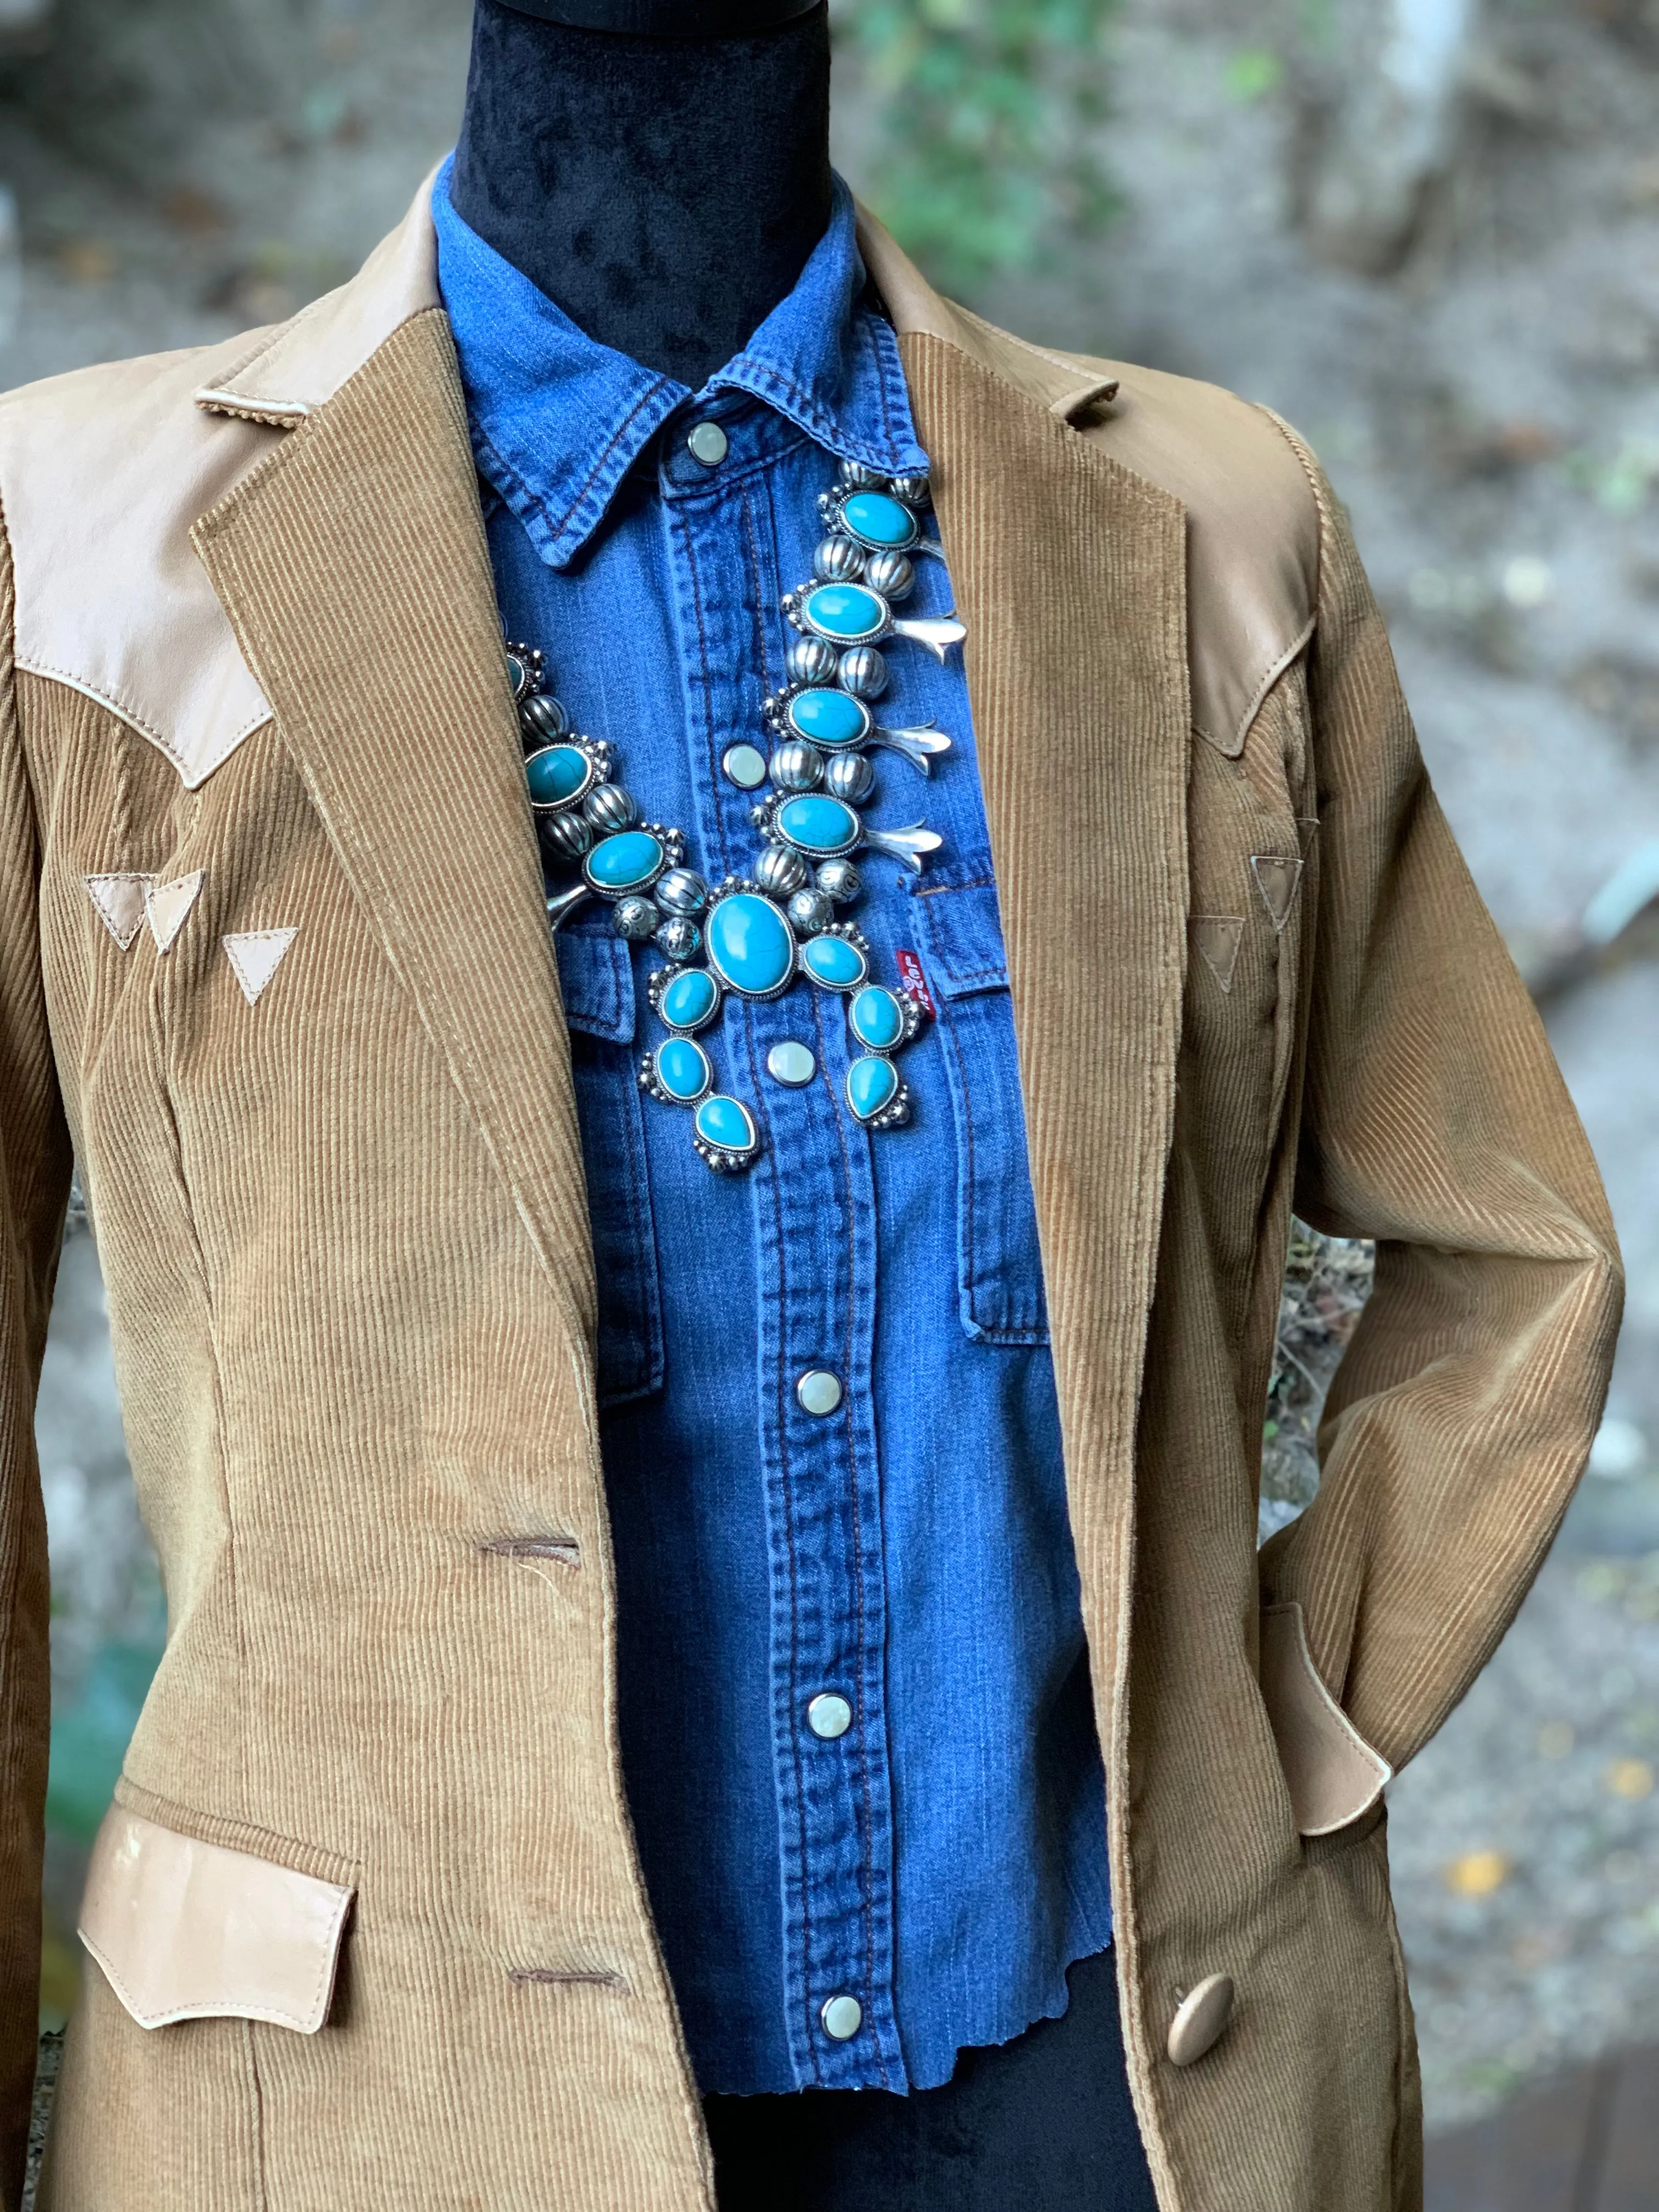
1276, 878
118, 901
256, 955
1218, 938
168, 905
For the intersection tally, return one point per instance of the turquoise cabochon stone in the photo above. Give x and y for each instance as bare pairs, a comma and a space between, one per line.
684, 1069
848, 613
752, 948
876, 1018
688, 1000
834, 962
828, 717
870, 1085
624, 862
725, 1122
815, 823
556, 773
879, 520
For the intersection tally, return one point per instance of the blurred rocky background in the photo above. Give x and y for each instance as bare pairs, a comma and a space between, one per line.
1428, 232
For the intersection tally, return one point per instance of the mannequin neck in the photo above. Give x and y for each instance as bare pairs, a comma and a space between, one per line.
664, 192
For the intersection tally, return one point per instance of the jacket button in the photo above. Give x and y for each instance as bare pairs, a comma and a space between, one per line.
1200, 2018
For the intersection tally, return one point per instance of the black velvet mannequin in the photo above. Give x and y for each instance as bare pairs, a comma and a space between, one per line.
665, 191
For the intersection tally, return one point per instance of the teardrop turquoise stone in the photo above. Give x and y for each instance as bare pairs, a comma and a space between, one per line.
878, 519
815, 823
876, 1018
751, 945
625, 861
682, 1069
556, 773
871, 1084
834, 962
845, 612
725, 1122
688, 998
828, 717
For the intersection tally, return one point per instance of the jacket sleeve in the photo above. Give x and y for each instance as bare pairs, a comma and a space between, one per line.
35, 1176
1434, 1119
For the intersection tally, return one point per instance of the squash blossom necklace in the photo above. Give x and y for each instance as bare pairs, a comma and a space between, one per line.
754, 936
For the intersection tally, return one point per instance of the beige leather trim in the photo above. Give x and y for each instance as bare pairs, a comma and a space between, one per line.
188, 1931
1332, 1772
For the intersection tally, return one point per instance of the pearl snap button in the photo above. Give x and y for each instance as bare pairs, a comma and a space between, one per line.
842, 2017
828, 1715
819, 1391
746, 766
1200, 2018
791, 1064
707, 443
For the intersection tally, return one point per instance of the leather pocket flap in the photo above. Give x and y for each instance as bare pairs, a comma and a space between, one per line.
1332, 1772
189, 1930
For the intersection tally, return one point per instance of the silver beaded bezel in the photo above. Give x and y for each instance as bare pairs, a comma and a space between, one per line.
652, 1082
912, 1015
894, 1113
598, 758
657, 982
785, 720
732, 887
672, 843
767, 822
851, 934
721, 1158
836, 519
798, 606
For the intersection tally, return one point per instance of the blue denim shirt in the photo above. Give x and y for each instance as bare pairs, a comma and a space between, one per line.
944, 1860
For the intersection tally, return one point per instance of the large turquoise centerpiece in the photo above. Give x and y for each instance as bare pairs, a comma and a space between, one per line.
815, 823
846, 614
834, 718
557, 774
630, 861
751, 945
885, 524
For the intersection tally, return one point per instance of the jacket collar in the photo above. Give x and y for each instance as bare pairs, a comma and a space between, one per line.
299, 366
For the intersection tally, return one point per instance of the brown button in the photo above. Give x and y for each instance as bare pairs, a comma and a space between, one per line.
1200, 2018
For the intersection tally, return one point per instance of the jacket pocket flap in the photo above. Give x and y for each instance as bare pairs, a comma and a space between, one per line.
961, 932
188, 1931
596, 982
1332, 1772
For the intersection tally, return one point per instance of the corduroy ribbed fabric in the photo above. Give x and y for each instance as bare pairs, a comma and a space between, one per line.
351, 1294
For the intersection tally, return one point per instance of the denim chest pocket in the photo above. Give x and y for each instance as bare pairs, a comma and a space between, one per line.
998, 1266
595, 980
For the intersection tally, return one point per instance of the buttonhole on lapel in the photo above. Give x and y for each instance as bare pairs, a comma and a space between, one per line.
1276, 878
565, 1549
1218, 938
598, 1978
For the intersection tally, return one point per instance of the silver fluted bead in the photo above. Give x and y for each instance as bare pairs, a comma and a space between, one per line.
811, 911
678, 937
636, 919
565, 836
913, 490
863, 671
543, 717
841, 881
838, 560
681, 891
812, 660
856, 477
608, 807
779, 870
850, 776
796, 766
892, 575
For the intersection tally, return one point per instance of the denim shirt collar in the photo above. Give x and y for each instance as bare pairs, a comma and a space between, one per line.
557, 419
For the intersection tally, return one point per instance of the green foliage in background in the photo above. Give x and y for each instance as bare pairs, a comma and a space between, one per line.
988, 148
90, 1741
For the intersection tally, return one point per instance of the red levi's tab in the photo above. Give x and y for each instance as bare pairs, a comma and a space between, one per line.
914, 981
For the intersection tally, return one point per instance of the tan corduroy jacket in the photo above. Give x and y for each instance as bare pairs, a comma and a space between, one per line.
366, 1927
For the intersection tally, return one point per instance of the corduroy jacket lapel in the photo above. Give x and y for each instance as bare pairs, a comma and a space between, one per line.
1070, 573
353, 567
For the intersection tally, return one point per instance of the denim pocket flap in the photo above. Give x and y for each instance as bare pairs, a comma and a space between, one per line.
961, 934
596, 982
